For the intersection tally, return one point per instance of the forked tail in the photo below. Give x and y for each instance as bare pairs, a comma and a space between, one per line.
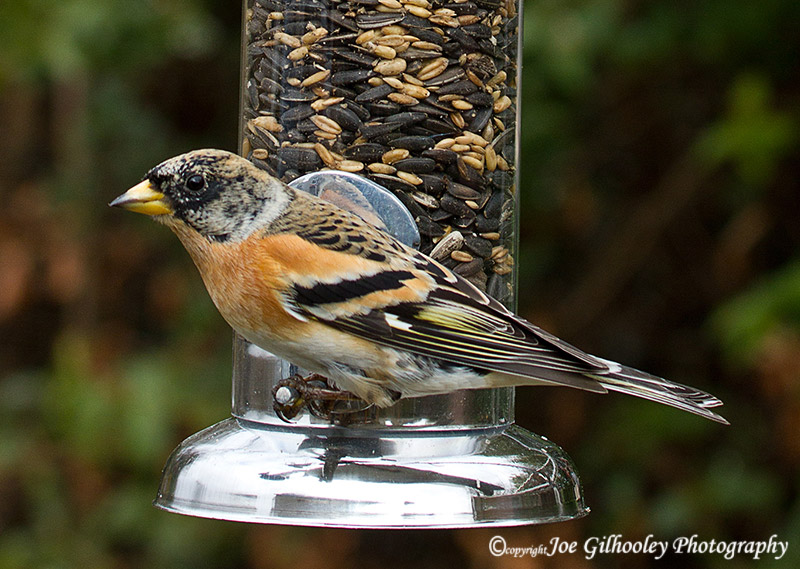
640, 384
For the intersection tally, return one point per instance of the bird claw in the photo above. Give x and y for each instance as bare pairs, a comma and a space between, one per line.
293, 394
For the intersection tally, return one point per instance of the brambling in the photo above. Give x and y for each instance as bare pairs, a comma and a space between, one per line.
320, 287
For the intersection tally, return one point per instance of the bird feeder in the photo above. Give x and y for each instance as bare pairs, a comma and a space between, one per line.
406, 114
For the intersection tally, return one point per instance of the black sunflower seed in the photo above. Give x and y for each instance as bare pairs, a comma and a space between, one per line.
413, 143
501, 179
481, 99
295, 24
461, 191
469, 268
352, 56
300, 72
362, 113
494, 206
297, 113
307, 126
463, 8
366, 152
469, 175
478, 245
374, 94
454, 205
416, 165
342, 20
441, 156
489, 48
429, 109
483, 67
268, 103
310, 7
383, 108
451, 193
433, 184
294, 135
386, 139
421, 130
350, 76
441, 126
463, 87
465, 41
478, 30
416, 22
441, 215
407, 118
428, 227
269, 85
496, 286
426, 34
480, 119
466, 220
486, 225
300, 158
347, 118
373, 129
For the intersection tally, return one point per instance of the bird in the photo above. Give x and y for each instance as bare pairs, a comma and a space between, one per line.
322, 288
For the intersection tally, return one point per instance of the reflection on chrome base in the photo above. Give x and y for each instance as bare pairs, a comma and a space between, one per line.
454, 460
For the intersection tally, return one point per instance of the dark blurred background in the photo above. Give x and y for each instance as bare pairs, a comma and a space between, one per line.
660, 209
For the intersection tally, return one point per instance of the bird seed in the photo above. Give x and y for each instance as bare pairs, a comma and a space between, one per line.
418, 95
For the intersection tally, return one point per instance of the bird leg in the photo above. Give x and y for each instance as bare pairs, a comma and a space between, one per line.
291, 395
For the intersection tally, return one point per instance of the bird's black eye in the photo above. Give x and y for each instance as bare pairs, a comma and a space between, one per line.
195, 183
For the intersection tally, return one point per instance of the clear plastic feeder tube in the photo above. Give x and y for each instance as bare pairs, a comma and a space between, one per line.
420, 98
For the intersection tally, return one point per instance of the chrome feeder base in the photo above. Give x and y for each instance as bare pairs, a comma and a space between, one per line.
444, 461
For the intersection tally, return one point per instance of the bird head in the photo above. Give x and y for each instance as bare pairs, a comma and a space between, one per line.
220, 195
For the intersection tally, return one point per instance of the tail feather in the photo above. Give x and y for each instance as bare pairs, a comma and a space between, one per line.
631, 381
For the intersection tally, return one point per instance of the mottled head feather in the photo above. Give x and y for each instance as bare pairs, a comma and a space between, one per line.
219, 194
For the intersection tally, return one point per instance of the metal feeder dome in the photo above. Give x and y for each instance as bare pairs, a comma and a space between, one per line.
444, 461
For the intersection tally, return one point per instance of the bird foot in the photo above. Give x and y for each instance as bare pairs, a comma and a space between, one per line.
291, 395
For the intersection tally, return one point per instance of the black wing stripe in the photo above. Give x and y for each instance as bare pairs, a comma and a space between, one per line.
456, 323
326, 293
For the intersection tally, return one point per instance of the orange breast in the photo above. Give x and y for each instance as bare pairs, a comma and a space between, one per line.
245, 280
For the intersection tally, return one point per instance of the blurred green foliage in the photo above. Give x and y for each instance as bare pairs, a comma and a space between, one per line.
660, 198
753, 136
49, 39
769, 307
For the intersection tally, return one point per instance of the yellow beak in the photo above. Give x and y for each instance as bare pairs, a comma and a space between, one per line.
143, 198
